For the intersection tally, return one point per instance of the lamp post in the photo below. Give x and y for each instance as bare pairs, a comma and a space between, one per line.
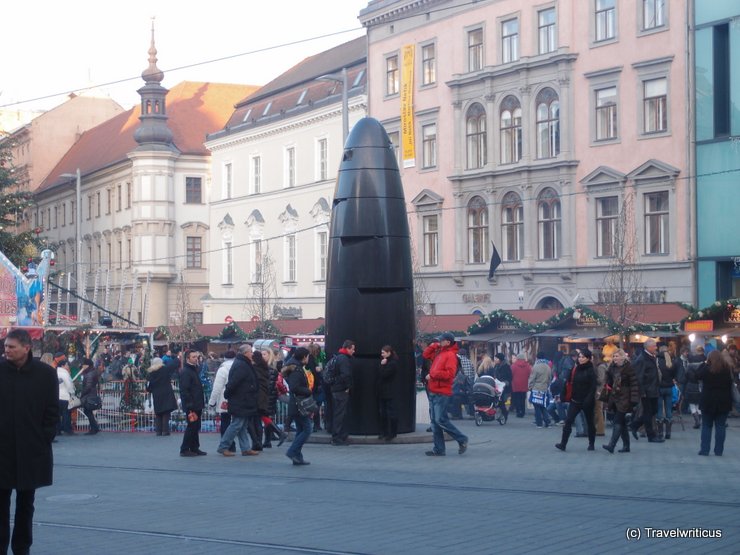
78, 239
341, 78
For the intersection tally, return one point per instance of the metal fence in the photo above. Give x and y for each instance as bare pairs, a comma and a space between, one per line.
127, 407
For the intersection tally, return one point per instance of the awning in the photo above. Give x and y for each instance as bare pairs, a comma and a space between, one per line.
497, 337
555, 333
590, 333
719, 332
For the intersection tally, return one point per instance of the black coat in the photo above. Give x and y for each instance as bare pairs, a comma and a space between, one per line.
625, 392
584, 384
242, 389
716, 397
29, 413
263, 393
90, 380
344, 373
191, 390
387, 378
272, 391
667, 375
297, 383
646, 369
160, 386
691, 390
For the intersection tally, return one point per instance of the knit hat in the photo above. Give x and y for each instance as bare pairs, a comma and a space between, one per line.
501, 356
521, 356
447, 336
155, 365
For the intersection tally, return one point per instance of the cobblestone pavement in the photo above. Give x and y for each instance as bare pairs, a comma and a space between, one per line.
512, 490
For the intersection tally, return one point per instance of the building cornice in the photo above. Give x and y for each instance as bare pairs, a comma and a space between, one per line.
497, 72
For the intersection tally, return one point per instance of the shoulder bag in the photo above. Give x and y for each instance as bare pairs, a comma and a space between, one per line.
74, 401
306, 405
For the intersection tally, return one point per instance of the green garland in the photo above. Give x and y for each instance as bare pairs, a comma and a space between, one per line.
162, 332
717, 308
264, 329
492, 320
231, 331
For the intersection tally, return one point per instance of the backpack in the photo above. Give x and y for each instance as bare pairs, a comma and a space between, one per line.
331, 372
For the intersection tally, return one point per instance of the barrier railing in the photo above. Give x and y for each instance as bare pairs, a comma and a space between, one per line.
127, 407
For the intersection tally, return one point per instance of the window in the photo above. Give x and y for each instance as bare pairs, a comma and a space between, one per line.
119, 198
510, 41
512, 227
72, 213
431, 240
193, 190
395, 138
606, 113
655, 105
391, 75
322, 160
477, 231
195, 318
322, 250
475, 50
605, 20
194, 252
721, 79
89, 207
475, 137
428, 64
120, 254
656, 223
108, 201
109, 250
548, 124
653, 14
256, 252
256, 174
429, 145
290, 258
548, 225
227, 190
228, 264
130, 253
128, 195
511, 130
97, 204
56, 216
64, 214
290, 167
607, 214
48, 218
548, 41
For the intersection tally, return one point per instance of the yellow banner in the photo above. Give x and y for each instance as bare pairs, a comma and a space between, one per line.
408, 150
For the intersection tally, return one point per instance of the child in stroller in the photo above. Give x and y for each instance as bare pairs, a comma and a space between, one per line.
487, 398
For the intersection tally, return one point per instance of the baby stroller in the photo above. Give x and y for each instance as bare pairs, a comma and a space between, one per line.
486, 398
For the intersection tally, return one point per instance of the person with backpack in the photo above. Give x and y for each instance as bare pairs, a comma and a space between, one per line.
339, 376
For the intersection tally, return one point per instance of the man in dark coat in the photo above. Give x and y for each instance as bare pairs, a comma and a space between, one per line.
241, 392
502, 372
340, 392
193, 401
29, 412
646, 370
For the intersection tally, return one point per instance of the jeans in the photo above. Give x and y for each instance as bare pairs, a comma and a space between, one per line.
441, 422
303, 429
190, 439
557, 410
91, 418
719, 421
65, 418
237, 428
541, 416
23, 526
665, 398
340, 408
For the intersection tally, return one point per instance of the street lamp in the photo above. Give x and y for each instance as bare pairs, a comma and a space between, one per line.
78, 237
341, 78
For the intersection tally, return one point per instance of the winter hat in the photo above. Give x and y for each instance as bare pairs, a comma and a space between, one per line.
156, 364
501, 356
447, 336
521, 356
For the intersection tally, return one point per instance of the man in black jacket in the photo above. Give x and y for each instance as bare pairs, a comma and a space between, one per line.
502, 372
193, 401
646, 370
241, 392
29, 412
340, 392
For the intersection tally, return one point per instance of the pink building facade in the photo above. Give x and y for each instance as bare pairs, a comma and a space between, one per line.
554, 131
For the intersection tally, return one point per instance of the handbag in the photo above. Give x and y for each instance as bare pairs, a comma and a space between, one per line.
306, 405
74, 401
606, 392
225, 405
93, 402
734, 393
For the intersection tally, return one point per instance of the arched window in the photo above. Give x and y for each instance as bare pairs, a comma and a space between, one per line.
511, 130
475, 134
548, 224
512, 227
477, 230
548, 124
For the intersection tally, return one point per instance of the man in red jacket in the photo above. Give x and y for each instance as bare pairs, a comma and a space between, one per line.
443, 355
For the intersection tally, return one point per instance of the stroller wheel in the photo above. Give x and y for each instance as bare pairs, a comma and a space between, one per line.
501, 420
478, 419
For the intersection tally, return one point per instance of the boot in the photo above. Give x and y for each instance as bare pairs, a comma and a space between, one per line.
697, 421
625, 441
616, 433
563, 440
393, 426
659, 426
668, 426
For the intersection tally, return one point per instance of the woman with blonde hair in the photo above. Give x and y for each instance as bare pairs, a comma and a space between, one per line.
665, 392
486, 365
621, 393
716, 402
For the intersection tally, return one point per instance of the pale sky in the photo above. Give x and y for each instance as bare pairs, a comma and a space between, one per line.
54, 47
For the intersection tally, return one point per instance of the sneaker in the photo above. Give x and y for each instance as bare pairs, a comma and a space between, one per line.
463, 447
434, 454
226, 452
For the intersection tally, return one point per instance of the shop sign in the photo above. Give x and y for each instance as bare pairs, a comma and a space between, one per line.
476, 298
699, 325
587, 321
733, 317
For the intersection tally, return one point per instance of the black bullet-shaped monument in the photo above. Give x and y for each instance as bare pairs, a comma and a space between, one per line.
370, 286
